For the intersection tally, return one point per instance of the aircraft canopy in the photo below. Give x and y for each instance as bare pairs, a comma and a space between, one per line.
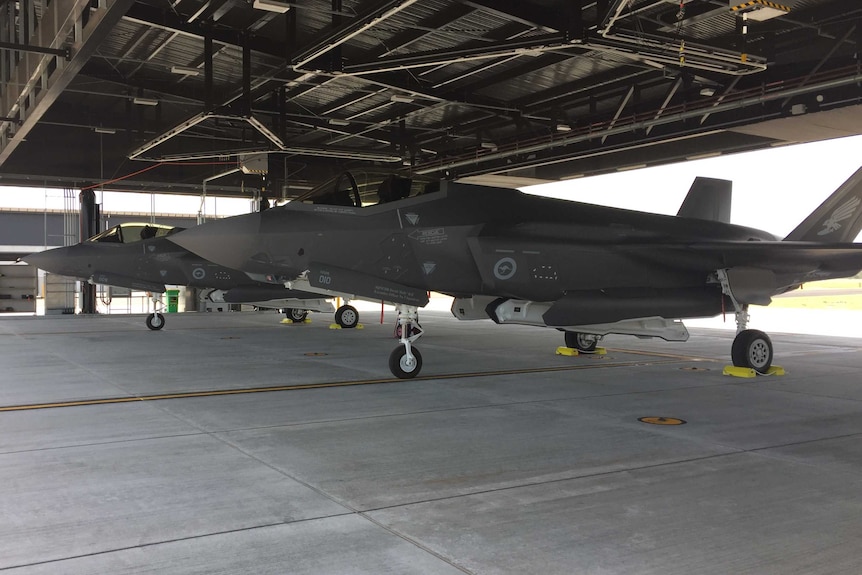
133, 232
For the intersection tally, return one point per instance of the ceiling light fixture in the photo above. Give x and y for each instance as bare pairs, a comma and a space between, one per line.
401, 99
338, 122
185, 70
100, 130
145, 101
271, 6
564, 128
708, 91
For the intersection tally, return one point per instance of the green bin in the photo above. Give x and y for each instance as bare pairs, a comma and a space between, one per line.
173, 300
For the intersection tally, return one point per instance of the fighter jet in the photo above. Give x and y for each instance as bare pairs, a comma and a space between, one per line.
139, 256
584, 269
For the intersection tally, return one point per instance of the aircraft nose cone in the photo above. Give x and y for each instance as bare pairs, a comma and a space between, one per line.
229, 242
49, 260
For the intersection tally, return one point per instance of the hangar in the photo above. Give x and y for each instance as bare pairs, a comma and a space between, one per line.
167, 95
225, 444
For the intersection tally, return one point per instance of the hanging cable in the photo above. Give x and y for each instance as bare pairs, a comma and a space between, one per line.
154, 166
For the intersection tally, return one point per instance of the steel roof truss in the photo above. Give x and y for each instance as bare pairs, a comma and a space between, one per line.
32, 74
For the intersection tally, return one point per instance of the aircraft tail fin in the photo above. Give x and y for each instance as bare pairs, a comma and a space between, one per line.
708, 199
838, 219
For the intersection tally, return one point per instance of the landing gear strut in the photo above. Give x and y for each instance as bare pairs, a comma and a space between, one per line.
406, 362
751, 348
156, 321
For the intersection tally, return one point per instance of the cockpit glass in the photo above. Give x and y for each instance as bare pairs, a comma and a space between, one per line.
133, 232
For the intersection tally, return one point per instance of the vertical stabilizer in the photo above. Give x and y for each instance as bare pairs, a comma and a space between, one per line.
838, 219
708, 199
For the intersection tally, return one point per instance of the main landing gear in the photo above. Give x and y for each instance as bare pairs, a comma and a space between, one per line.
406, 362
751, 348
156, 321
296, 315
585, 342
347, 317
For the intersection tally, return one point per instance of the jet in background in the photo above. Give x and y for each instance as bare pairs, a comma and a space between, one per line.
139, 256
514, 258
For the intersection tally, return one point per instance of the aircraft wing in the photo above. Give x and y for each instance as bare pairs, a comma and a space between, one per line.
757, 271
779, 256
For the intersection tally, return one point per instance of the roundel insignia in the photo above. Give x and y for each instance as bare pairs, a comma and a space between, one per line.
505, 268
199, 273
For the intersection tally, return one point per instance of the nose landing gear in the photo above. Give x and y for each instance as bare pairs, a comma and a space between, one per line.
406, 362
156, 321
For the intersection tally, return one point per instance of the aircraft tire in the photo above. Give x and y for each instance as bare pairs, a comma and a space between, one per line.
398, 363
346, 316
581, 341
295, 314
752, 348
155, 321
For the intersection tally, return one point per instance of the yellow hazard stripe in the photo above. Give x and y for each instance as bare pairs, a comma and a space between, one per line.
766, 3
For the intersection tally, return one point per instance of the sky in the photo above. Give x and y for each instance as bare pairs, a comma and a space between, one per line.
773, 189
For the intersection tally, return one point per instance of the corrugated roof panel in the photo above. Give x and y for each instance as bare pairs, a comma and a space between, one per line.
578, 67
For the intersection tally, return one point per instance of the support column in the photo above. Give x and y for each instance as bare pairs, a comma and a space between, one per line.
89, 226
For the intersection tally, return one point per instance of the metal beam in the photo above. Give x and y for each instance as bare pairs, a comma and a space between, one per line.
64, 52
350, 30
757, 98
516, 47
670, 94
40, 85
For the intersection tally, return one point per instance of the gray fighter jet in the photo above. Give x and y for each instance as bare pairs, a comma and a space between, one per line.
515, 258
139, 256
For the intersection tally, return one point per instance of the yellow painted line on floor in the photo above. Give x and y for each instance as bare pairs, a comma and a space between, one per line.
667, 355
248, 390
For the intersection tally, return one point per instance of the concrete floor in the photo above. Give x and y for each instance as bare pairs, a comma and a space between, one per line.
502, 458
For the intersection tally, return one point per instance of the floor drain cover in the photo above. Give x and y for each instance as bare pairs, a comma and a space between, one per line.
693, 368
662, 420
315, 353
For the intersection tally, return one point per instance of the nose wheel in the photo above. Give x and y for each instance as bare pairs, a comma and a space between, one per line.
156, 321
405, 366
405, 361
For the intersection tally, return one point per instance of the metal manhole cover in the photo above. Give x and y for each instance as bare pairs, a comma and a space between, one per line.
662, 420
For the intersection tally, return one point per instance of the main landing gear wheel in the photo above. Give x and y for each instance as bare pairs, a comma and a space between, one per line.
155, 321
586, 342
346, 316
402, 366
752, 348
296, 315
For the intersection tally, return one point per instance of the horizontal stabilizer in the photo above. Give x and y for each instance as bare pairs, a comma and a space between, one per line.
708, 199
838, 219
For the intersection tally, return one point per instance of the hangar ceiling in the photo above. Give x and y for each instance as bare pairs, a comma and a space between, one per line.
167, 94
